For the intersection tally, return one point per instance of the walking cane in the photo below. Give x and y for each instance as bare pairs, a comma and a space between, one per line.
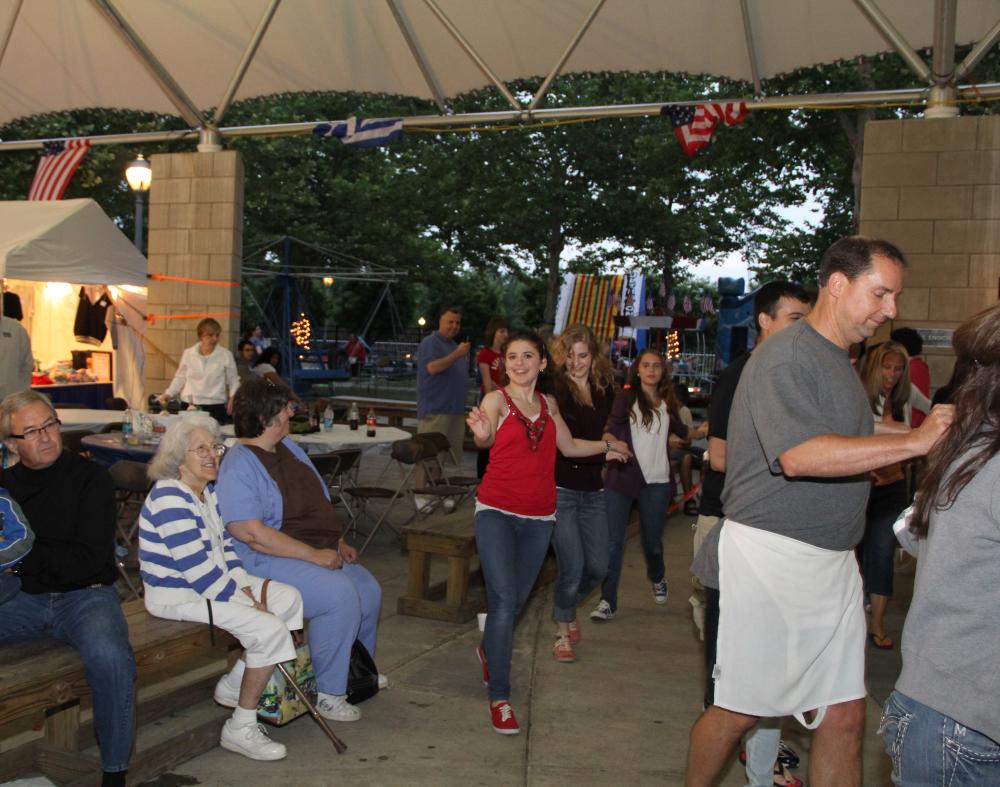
338, 744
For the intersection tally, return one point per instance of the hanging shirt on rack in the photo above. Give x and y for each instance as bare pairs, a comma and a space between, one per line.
90, 326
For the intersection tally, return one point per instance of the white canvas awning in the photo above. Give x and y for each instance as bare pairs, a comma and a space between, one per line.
185, 56
68, 241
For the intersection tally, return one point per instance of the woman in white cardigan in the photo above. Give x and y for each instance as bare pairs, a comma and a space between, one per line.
190, 572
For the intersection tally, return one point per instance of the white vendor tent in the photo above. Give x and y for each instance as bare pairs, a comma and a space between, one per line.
48, 250
66, 240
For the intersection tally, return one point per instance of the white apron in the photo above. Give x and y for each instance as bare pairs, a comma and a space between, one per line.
791, 626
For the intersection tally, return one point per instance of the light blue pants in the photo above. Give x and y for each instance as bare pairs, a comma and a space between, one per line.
341, 605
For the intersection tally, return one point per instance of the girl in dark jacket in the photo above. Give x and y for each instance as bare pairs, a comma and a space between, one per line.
643, 416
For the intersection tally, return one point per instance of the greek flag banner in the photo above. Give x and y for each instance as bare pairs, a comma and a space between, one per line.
362, 133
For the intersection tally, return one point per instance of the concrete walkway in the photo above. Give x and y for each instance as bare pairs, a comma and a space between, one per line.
619, 715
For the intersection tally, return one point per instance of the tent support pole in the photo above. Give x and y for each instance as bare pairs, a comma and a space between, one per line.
557, 68
418, 53
473, 55
872, 98
894, 38
156, 70
751, 48
978, 52
941, 100
244, 64
9, 28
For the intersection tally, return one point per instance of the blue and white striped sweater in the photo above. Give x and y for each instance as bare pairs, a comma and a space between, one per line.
185, 554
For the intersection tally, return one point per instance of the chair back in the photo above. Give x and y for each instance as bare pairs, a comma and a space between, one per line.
130, 476
410, 451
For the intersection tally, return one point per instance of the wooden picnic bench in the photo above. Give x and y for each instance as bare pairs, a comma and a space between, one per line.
46, 719
452, 537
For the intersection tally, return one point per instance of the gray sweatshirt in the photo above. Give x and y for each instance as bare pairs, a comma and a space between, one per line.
951, 640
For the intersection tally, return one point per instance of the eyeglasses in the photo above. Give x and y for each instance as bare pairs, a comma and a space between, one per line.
34, 434
205, 451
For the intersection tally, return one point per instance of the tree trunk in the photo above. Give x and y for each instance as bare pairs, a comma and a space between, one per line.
553, 254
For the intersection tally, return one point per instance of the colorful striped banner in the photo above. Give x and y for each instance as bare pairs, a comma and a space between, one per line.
595, 302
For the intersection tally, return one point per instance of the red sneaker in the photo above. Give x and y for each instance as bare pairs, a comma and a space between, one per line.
481, 654
503, 719
575, 634
562, 650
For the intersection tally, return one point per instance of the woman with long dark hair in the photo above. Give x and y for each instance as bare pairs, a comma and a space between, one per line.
582, 378
940, 725
516, 503
886, 379
643, 416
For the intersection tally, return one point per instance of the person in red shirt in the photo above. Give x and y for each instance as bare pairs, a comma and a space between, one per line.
356, 354
920, 373
489, 362
516, 503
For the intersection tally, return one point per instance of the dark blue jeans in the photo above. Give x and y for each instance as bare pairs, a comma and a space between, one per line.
878, 547
929, 749
580, 539
511, 552
653, 501
91, 621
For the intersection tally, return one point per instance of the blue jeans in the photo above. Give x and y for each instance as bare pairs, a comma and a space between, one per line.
511, 552
91, 621
653, 501
580, 539
929, 749
341, 605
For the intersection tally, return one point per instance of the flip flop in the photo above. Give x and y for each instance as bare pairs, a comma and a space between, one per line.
881, 642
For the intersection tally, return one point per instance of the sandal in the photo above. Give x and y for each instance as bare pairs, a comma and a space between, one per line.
880, 641
784, 778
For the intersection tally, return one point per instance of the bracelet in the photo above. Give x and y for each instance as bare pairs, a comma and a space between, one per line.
607, 446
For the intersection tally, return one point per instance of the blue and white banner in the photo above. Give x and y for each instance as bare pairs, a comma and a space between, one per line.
362, 133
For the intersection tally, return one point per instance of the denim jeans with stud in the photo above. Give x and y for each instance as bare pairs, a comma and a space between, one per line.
929, 749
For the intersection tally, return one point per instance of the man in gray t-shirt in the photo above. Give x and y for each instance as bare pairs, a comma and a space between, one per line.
799, 450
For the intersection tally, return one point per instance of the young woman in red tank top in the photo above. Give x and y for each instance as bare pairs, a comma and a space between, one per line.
516, 503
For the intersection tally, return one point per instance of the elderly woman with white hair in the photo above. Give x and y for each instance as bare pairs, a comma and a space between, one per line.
191, 572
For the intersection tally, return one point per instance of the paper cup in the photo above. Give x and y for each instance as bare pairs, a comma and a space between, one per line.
481, 617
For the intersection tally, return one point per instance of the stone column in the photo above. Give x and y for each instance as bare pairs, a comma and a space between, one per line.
195, 232
932, 187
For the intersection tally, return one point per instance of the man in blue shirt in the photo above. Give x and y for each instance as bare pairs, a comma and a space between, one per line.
442, 380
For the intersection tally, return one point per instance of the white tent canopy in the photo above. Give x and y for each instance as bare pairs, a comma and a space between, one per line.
68, 241
184, 56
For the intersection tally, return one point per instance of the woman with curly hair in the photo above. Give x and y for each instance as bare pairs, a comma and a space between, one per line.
643, 416
886, 379
940, 725
582, 382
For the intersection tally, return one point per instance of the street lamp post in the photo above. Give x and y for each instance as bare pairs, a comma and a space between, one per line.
421, 322
139, 176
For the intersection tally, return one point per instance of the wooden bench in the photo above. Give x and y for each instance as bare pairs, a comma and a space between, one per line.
46, 721
452, 537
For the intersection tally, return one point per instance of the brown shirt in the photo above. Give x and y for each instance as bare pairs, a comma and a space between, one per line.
307, 514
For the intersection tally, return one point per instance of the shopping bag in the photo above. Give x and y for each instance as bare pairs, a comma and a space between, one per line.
278, 702
362, 676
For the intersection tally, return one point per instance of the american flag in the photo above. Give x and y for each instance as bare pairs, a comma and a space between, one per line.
362, 133
56, 167
694, 125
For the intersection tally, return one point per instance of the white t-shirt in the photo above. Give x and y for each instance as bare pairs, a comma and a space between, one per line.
650, 446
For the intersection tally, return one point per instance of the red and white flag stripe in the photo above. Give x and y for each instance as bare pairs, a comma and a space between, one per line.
56, 168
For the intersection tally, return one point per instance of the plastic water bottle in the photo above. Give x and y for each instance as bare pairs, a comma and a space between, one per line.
126, 426
370, 422
353, 417
328, 418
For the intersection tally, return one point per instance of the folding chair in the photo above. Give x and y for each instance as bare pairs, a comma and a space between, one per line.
131, 487
436, 474
339, 470
407, 454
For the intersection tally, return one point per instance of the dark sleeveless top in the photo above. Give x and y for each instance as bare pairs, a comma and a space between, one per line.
307, 515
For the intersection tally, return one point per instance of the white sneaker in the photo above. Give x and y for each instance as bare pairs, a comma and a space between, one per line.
448, 505
335, 707
251, 741
383, 681
603, 611
660, 592
225, 694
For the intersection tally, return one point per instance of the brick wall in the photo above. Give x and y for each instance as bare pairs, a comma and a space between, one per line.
195, 231
932, 187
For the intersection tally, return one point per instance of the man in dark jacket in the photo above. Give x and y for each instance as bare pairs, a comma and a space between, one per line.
67, 580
